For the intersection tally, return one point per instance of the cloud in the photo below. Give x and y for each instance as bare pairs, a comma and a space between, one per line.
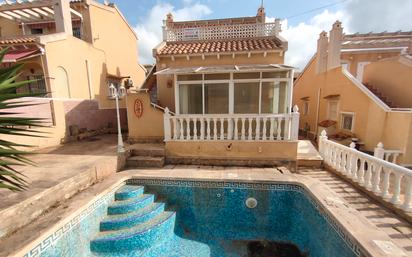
302, 37
357, 16
149, 30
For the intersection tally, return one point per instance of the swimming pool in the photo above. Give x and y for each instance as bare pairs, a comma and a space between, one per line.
155, 217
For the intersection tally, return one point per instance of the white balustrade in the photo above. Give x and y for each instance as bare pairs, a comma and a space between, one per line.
220, 127
223, 31
390, 181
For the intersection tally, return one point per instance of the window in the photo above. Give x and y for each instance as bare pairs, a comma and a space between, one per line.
216, 98
77, 32
347, 121
36, 31
273, 99
333, 110
190, 97
246, 97
305, 107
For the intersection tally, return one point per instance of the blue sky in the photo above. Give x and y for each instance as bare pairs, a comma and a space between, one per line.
146, 16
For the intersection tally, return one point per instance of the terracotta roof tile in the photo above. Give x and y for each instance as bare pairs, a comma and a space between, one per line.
220, 46
20, 40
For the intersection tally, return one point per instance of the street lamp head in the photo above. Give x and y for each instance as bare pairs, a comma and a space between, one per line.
112, 91
121, 91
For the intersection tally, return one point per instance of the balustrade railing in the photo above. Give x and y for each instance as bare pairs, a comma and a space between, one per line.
222, 31
242, 127
390, 181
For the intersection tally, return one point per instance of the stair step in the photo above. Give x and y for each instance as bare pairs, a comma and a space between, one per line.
145, 161
129, 205
154, 150
120, 221
139, 237
128, 191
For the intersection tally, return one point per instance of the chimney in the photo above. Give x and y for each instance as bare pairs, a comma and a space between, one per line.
335, 45
169, 19
322, 54
62, 16
261, 14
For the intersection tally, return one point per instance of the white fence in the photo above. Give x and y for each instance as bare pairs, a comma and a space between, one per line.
224, 31
390, 181
242, 127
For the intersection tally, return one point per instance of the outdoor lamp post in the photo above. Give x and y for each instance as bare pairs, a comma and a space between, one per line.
118, 93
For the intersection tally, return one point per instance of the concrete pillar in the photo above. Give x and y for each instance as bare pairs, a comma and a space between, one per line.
322, 54
335, 45
62, 16
410, 47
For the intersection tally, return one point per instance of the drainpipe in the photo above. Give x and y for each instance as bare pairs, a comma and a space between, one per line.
317, 113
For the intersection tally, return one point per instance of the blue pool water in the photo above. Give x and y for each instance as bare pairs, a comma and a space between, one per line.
194, 218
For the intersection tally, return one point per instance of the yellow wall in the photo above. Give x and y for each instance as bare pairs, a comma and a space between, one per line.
372, 123
149, 127
391, 77
9, 28
237, 150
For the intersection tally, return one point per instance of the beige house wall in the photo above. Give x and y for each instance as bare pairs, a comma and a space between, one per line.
166, 95
149, 127
281, 150
354, 58
372, 123
9, 28
391, 77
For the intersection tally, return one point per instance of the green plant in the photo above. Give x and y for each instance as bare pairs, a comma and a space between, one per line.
11, 153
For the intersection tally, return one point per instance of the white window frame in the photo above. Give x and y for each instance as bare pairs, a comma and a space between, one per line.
337, 109
342, 114
231, 82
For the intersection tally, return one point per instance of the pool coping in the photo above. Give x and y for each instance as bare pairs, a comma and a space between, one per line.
371, 241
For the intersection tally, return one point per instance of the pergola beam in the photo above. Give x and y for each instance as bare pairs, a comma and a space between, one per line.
12, 6
76, 13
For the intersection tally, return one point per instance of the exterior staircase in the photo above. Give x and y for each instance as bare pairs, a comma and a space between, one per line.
381, 96
146, 156
135, 224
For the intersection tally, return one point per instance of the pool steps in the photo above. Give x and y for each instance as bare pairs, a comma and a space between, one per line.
135, 222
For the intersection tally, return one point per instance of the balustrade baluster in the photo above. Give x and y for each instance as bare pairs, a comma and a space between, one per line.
272, 129
385, 186
407, 203
368, 176
250, 121
376, 179
181, 129
243, 136
279, 129
175, 129
257, 129
202, 128
397, 188
187, 128
214, 128
235, 132
222, 129
264, 129
229, 128
355, 168
194, 129
207, 128
361, 175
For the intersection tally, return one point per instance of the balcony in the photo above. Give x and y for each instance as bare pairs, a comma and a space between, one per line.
221, 31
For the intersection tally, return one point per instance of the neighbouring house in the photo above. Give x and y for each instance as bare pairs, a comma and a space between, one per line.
219, 91
358, 87
73, 50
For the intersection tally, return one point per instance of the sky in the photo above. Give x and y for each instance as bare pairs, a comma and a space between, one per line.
302, 20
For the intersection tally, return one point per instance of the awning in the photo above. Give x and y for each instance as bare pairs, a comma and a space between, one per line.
225, 69
17, 55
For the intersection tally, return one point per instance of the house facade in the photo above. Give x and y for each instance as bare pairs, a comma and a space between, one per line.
219, 89
357, 88
74, 50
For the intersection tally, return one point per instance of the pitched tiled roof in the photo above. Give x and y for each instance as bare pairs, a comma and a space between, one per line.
220, 46
20, 40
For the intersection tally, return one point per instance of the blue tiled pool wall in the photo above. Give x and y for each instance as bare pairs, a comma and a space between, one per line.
73, 238
215, 212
